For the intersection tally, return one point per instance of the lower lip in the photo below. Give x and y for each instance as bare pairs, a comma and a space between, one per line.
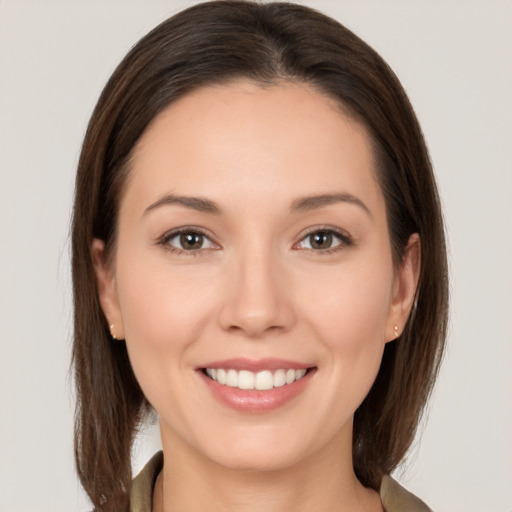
254, 400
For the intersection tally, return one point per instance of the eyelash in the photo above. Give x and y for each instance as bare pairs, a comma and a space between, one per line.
189, 230
344, 240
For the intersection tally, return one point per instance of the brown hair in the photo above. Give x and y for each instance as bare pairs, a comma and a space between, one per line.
215, 42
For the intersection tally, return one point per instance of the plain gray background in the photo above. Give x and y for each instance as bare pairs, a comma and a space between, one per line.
454, 59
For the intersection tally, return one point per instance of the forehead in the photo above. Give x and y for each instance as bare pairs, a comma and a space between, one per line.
247, 141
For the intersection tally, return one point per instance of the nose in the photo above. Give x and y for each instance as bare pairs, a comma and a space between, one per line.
257, 296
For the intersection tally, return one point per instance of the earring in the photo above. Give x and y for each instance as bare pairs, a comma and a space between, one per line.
112, 332
396, 331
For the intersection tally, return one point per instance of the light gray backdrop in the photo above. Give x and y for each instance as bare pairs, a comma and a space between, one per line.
454, 59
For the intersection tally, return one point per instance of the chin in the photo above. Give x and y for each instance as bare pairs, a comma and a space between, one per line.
260, 460
264, 450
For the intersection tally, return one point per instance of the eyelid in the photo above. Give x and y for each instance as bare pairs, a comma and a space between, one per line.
173, 233
345, 239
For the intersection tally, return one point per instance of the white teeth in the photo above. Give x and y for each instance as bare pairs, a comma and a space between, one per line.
232, 378
246, 380
279, 378
262, 381
221, 376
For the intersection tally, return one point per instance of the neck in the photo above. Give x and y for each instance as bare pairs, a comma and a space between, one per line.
324, 482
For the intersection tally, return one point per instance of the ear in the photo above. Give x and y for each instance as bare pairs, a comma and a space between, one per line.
404, 288
107, 290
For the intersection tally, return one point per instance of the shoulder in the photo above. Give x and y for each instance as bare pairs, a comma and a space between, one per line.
395, 498
141, 492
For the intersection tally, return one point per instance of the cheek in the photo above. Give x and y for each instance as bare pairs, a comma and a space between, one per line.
160, 302
354, 299
161, 320
349, 314
160, 317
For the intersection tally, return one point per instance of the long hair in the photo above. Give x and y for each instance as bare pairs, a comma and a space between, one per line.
213, 43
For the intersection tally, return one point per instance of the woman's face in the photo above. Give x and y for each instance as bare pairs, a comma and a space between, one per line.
253, 247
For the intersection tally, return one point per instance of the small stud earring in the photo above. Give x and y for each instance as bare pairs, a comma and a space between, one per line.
396, 331
112, 332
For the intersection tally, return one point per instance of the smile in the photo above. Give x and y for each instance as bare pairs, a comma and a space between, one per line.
256, 386
262, 381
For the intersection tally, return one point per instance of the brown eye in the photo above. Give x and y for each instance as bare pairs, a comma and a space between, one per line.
191, 241
321, 240
324, 240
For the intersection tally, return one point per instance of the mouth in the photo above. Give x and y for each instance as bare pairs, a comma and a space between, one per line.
263, 380
256, 386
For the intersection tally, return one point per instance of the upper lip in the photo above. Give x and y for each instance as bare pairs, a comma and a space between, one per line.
256, 365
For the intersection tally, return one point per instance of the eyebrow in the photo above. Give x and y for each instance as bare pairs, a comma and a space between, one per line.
194, 203
302, 204
312, 202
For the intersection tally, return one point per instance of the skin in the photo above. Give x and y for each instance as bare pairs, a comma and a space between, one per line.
256, 288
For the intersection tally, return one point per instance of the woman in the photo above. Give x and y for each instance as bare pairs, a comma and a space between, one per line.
258, 256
